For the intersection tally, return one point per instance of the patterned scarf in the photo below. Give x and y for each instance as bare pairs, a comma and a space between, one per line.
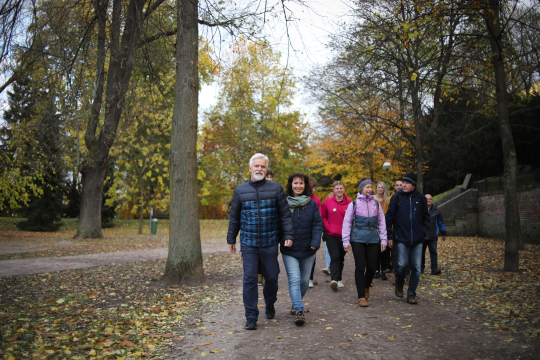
297, 202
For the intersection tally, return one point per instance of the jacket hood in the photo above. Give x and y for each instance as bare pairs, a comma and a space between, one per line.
364, 197
345, 199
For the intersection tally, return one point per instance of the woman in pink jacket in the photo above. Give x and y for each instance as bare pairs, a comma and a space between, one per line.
368, 234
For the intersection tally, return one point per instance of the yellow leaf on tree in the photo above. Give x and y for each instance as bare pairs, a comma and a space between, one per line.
414, 76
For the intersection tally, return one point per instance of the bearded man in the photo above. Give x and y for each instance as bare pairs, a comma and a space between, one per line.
261, 212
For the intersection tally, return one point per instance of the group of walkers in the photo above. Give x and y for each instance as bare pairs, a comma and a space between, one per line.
371, 227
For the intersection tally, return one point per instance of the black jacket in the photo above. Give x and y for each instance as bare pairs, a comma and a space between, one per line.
408, 215
308, 227
261, 211
436, 224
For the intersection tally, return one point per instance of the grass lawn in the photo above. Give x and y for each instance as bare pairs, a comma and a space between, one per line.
123, 236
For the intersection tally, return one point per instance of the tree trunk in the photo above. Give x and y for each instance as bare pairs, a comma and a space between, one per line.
91, 197
123, 47
184, 262
417, 113
513, 239
141, 209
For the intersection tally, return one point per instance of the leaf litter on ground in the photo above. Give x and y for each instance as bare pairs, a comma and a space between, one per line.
472, 279
109, 312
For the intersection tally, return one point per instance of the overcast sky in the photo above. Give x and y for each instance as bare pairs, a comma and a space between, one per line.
309, 36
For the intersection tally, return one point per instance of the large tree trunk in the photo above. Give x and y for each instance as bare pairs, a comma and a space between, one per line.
184, 262
511, 218
141, 209
91, 197
417, 113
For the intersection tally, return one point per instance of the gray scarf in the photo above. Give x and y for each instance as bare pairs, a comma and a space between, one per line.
297, 202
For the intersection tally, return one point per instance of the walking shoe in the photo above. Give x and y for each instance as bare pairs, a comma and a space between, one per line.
367, 293
260, 280
334, 285
362, 302
383, 276
310, 283
436, 272
270, 312
326, 271
340, 284
411, 299
293, 312
300, 318
399, 291
388, 271
251, 324
376, 276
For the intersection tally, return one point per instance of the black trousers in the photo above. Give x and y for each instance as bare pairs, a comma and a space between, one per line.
383, 260
365, 259
337, 256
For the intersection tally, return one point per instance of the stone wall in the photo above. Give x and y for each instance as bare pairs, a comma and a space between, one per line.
491, 215
459, 206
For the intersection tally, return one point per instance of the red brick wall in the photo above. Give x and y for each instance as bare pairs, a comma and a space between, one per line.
491, 215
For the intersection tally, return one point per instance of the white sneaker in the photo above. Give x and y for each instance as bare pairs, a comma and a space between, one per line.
334, 285
326, 271
310, 283
340, 284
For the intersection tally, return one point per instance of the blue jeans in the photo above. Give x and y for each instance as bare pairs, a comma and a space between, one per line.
269, 268
404, 252
326, 256
298, 271
432, 245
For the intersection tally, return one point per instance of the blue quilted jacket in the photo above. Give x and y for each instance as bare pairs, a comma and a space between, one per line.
260, 212
308, 227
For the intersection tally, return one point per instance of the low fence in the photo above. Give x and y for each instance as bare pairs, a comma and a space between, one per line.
496, 184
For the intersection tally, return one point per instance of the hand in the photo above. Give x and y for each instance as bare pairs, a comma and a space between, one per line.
232, 247
288, 243
383, 247
347, 248
313, 248
390, 243
444, 238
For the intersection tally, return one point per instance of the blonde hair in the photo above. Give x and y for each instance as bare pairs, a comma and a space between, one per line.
386, 194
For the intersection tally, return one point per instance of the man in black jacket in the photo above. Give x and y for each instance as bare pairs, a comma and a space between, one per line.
408, 215
436, 224
261, 212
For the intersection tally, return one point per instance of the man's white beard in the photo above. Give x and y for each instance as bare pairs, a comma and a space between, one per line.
258, 177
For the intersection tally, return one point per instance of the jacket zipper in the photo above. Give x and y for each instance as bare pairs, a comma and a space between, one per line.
410, 206
298, 231
258, 212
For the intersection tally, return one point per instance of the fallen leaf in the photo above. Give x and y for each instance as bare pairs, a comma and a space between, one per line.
127, 343
329, 328
230, 333
202, 328
206, 343
178, 338
203, 354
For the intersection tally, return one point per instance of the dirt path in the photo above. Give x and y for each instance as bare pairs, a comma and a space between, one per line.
52, 264
337, 328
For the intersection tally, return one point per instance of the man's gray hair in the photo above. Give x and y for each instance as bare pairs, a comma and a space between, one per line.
259, 156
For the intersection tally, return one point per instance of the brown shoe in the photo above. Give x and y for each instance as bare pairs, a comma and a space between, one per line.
367, 293
399, 291
362, 302
411, 299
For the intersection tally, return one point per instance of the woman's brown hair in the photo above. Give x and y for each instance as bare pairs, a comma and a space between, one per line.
307, 186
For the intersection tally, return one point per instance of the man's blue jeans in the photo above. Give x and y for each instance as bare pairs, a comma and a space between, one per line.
268, 258
404, 252
298, 271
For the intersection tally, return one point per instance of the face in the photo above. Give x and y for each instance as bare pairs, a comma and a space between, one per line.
313, 190
298, 186
398, 185
429, 199
269, 177
407, 187
339, 190
380, 189
258, 170
368, 189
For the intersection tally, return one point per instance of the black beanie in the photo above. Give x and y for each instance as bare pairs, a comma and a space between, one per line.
410, 178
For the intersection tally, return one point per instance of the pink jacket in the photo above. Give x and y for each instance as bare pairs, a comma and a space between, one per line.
333, 213
362, 203
318, 202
